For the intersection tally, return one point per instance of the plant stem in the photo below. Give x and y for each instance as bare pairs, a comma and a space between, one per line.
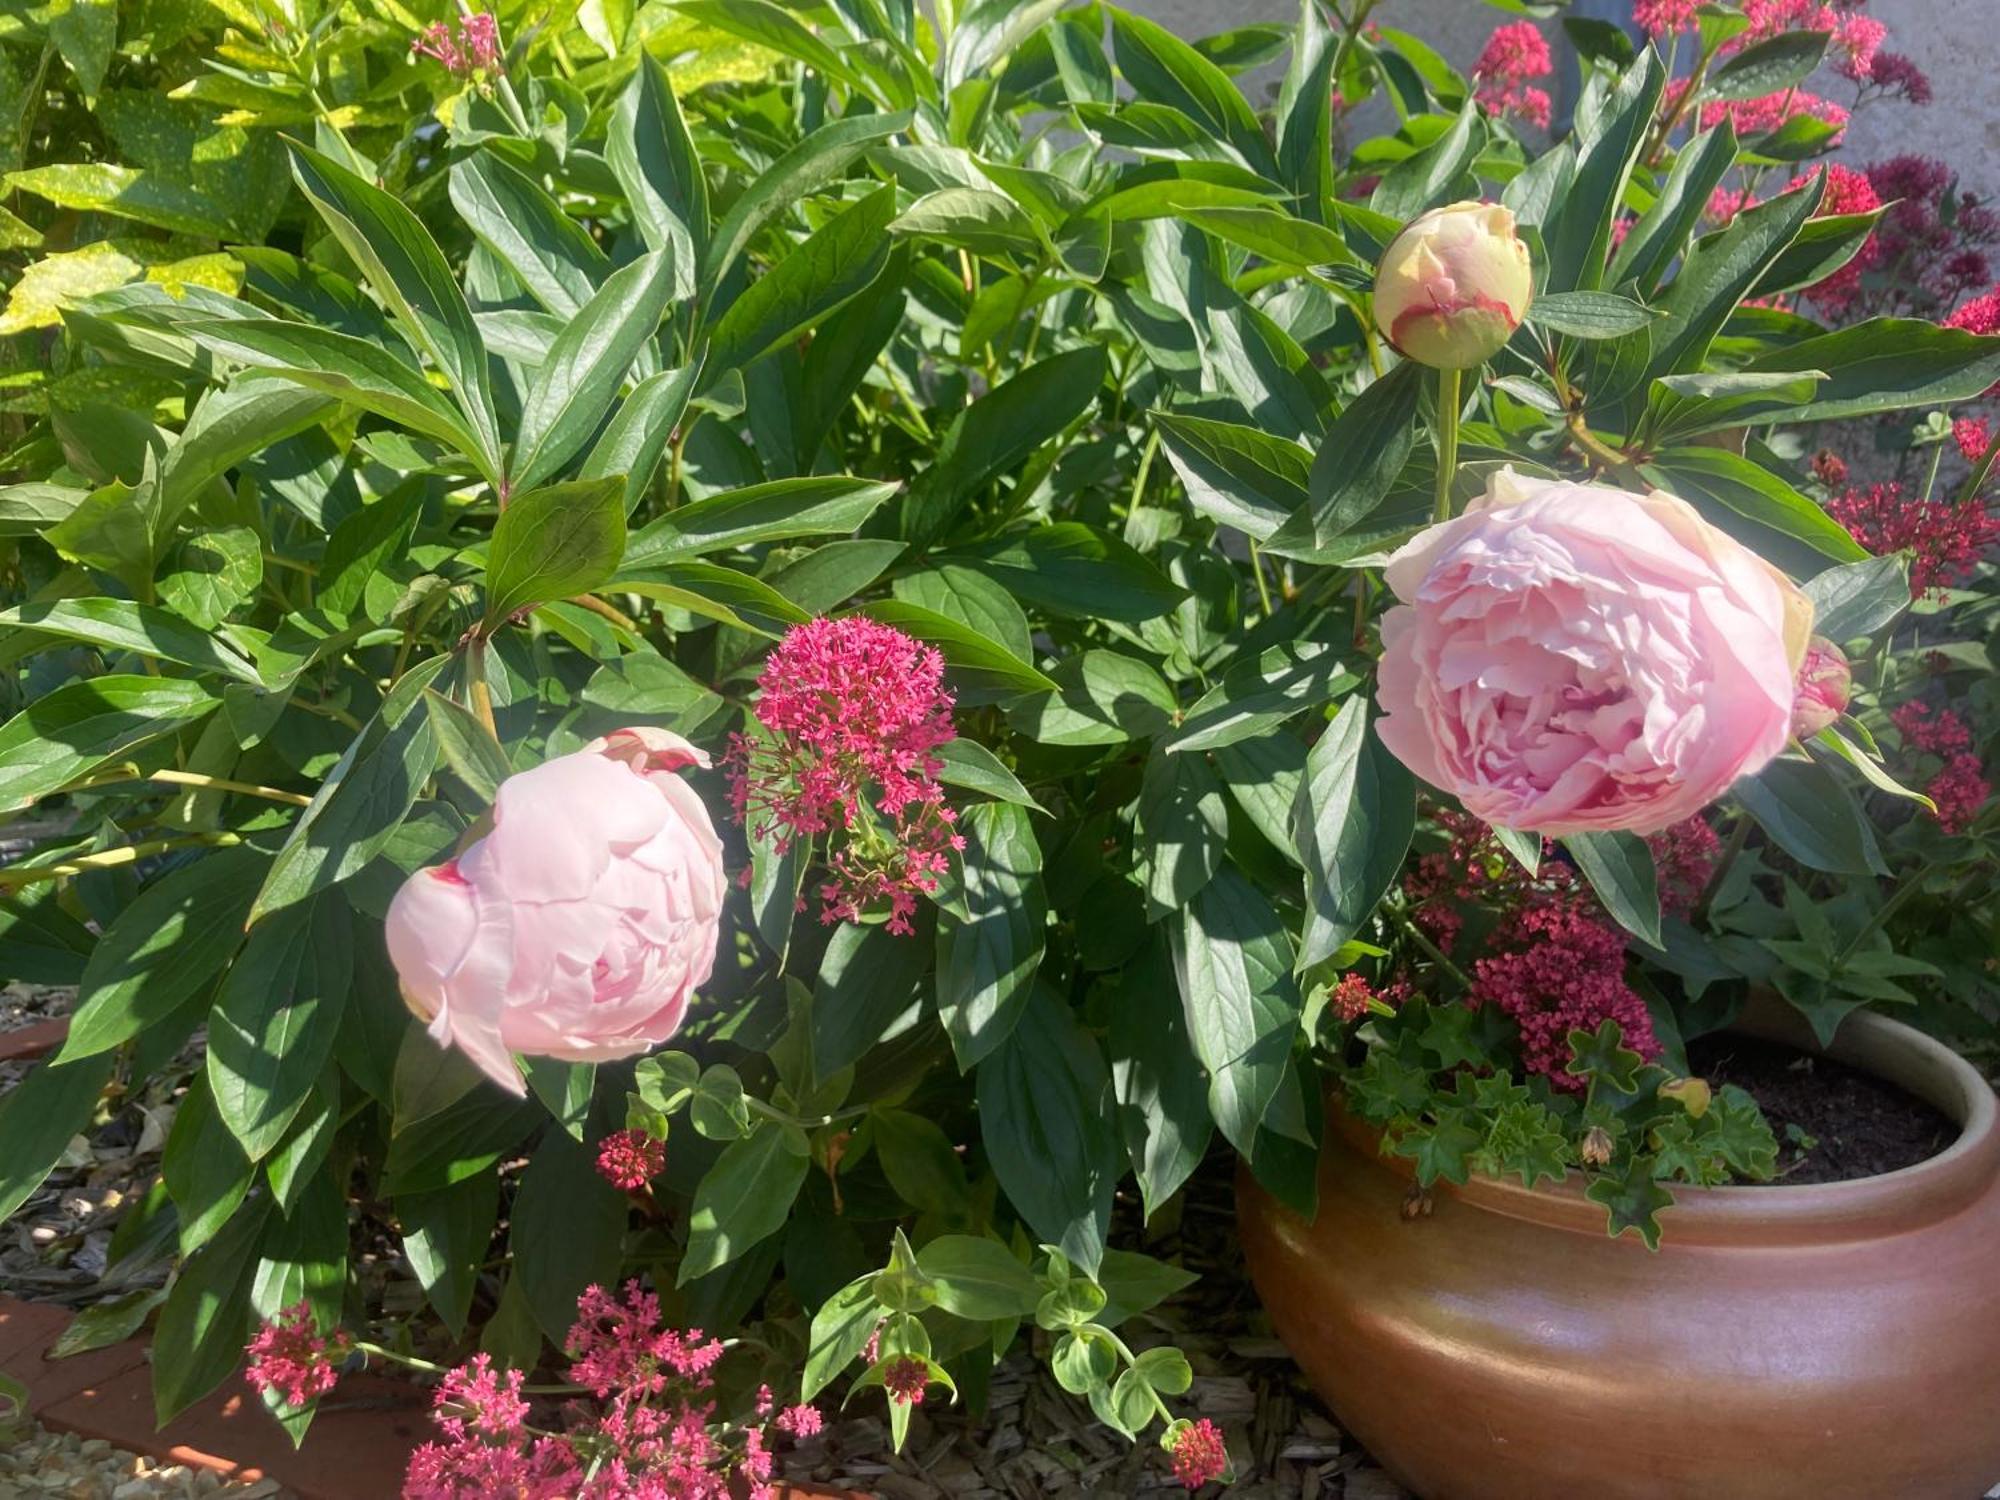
1436, 954
108, 859
1976, 480
610, 612
1447, 442
195, 778
476, 686
1257, 572
1898, 899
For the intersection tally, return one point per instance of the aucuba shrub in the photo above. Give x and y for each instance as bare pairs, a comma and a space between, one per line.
882, 678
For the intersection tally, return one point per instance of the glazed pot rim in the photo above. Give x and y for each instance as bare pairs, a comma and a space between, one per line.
1780, 1213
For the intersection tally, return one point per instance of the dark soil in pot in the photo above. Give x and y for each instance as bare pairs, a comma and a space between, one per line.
1834, 1123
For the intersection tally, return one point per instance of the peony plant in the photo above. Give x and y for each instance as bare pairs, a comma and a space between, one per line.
752, 675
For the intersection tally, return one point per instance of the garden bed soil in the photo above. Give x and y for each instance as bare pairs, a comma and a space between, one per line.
1834, 1123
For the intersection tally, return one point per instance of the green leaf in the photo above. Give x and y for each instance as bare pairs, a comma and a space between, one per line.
458, 1141
1718, 271
409, 273
566, 1230
841, 1329
817, 276
1305, 114
1258, 694
1886, 364
364, 544
553, 542
212, 574
1619, 868
38, 1117
1770, 66
362, 800
988, 32
103, 1324
1162, 67
585, 367
987, 963
1858, 599
1135, 1283
1357, 463
198, 1341
1811, 816
1660, 235
1101, 697
814, 505
979, 1278
639, 431
1072, 569
744, 1197
980, 220
1181, 827
974, 660
1589, 315
996, 432
656, 164
468, 745
866, 988
162, 949
1684, 405
40, 943
1427, 177
272, 1027
716, 592
1716, 477
63, 735
802, 171
1631, 1200
551, 255
1233, 964
1238, 476
769, 26
1162, 1095
127, 192
973, 600
969, 765
1352, 825
120, 625
352, 369
1609, 139
1045, 1120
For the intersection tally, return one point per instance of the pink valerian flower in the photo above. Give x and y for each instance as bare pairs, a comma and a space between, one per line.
1473, 870
617, 1343
1725, 204
471, 1470
1854, 40
629, 1159
291, 1360
852, 713
1684, 858
1659, 18
1946, 538
1760, 116
1199, 1454
1973, 438
1829, 468
1351, 998
1847, 192
800, 1421
1959, 787
1897, 75
467, 44
1514, 54
1569, 976
904, 1378
1981, 315
478, 1400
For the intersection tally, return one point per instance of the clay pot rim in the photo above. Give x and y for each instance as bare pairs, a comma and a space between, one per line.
1787, 1213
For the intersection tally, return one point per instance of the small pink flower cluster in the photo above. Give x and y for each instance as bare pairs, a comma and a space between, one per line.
1514, 54
1973, 437
1659, 18
1199, 1454
904, 1379
1766, 112
1570, 976
1855, 36
655, 1435
629, 1159
1684, 858
1959, 788
292, 1360
853, 712
1351, 997
1946, 538
468, 44
1847, 192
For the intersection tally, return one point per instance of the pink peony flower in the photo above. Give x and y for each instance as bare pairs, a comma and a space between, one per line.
1824, 684
579, 925
1573, 657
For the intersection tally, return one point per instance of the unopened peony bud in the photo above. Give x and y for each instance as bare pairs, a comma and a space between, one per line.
581, 923
1824, 684
1454, 285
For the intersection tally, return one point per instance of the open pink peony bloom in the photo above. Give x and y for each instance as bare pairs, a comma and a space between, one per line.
1573, 657
580, 923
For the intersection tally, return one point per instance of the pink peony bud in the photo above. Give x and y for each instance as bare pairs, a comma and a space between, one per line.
1824, 683
1454, 285
1570, 658
579, 925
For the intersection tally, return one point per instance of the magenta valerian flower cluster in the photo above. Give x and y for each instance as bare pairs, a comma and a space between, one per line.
1959, 787
1945, 538
852, 713
467, 44
291, 1360
629, 1159
1514, 54
653, 1433
1569, 975
1199, 1454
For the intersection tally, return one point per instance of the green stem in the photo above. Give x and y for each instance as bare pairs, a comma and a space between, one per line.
107, 859
196, 779
476, 685
1257, 572
1976, 480
1898, 899
1436, 954
1449, 402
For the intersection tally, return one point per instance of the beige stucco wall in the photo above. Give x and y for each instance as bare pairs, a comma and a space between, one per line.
1957, 42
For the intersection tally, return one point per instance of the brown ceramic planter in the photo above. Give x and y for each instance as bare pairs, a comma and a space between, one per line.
1785, 1342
